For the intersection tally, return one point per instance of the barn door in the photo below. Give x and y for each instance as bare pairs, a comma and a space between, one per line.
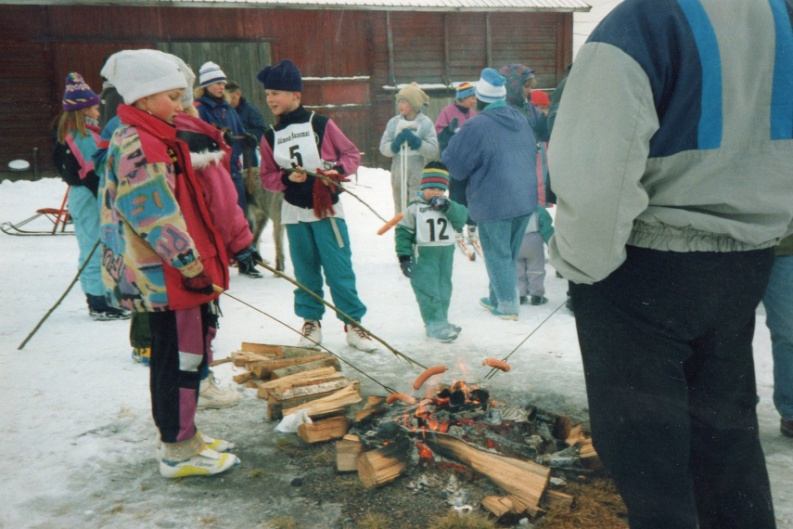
240, 61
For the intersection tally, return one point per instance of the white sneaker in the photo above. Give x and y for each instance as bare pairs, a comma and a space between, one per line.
359, 339
210, 395
218, 445
312, 334
207, 462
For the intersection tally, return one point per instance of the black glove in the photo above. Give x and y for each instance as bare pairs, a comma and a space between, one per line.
414, 142
453, 125
246, 260
200, 283
406, 264
439, 203
398, 141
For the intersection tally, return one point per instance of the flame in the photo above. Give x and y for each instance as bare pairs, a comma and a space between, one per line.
425, 453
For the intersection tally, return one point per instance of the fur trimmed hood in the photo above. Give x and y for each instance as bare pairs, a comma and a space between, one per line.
203, 159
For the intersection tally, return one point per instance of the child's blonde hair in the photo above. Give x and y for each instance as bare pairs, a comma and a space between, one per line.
71, 120
198, 92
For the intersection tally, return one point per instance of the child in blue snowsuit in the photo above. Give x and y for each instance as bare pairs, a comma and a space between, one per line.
429, 224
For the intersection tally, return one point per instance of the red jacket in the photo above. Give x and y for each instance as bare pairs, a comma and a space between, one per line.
160, 145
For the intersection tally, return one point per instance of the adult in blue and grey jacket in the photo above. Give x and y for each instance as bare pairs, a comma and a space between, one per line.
672, 160
494, 153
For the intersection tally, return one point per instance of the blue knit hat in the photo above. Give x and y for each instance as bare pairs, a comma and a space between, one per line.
464, 90
282, 76
491, 86
77, 93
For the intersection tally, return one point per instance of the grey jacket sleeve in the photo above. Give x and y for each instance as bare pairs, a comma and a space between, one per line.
429, 140
598, 154
388, 136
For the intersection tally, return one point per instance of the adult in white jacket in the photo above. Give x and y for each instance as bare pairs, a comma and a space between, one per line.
672, 157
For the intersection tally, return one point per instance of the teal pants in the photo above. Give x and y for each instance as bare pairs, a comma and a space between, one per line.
432, 283
84, 209
314, 248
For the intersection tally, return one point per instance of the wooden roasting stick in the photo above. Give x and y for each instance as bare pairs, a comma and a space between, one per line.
329, 180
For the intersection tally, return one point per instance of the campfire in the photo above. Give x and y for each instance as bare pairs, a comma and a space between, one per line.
526, 452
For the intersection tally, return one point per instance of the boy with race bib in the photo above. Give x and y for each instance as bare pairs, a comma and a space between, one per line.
429, 224
306, 156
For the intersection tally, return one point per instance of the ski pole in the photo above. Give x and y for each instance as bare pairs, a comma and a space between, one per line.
68, 289
340, 312
347, 362
493, 370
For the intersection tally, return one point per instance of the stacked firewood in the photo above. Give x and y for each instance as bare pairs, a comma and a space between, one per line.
299, 380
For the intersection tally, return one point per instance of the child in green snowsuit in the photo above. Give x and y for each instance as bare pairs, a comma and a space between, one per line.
429, 224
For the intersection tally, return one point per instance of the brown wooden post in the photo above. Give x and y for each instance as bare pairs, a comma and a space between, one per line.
446, 53
488, 41
390, 45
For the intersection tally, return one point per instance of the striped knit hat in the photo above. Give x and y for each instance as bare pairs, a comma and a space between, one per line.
210, 73
464, 90
434, 175
78, 94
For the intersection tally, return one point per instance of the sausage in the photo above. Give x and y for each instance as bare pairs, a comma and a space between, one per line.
391, 223
398, 396
497, 364
430, 371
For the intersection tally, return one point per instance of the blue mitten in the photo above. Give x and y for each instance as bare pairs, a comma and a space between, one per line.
398, 141
414, 142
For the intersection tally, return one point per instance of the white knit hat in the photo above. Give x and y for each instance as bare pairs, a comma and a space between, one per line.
210, 73
140, 73
491, 86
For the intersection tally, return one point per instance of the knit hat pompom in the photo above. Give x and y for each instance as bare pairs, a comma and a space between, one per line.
77, 94
414, 95
540, 98
434, 175
140, 73
282, 76
464, 90
490, 86
210, 73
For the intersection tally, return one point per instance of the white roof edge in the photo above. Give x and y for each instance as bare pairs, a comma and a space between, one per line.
565, 6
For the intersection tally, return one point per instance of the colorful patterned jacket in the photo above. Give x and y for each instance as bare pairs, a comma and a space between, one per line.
155, 225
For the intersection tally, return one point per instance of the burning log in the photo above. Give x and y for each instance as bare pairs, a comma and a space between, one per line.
524, 480
347, 452
378, 467
324, 430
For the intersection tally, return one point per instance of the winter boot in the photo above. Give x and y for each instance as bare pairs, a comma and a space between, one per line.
442, 332
539, 300
359, 339
99, 310
141, 355
485, 302
210, 395
524, 300
312, 334
193, 458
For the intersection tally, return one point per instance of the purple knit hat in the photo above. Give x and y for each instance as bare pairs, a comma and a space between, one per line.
78, 94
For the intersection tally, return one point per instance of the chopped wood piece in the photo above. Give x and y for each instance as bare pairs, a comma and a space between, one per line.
264, 368
263, 348
297, 378
242, 378
498, 506
324, 430
559, 500
375, 468
243, 358
524, 480
279, 392
327, 361
347, 451
374, 406
332, 403
221, 361
309, 390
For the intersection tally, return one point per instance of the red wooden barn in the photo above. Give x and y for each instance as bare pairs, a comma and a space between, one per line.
352, 53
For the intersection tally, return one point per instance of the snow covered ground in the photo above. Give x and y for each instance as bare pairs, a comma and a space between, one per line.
77, 436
